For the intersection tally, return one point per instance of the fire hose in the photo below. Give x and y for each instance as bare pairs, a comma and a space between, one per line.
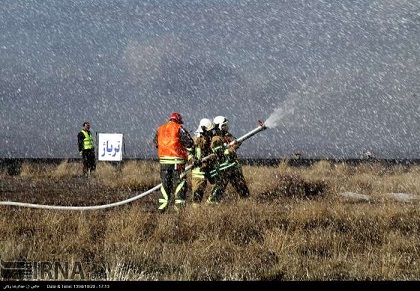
251, 133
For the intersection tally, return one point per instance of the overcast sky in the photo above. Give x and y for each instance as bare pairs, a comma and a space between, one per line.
346, 72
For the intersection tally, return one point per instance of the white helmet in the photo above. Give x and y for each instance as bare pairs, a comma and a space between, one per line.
206, 124
220, 122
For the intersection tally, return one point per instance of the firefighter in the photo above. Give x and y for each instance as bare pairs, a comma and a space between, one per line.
227, 166
86, 145
200, 173
174, 145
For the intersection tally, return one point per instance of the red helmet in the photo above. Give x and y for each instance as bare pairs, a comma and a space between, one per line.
176, 117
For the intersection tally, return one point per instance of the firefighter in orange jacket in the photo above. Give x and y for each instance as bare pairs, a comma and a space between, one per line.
175, 146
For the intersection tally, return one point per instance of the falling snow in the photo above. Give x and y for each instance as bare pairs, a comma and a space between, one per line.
329, 78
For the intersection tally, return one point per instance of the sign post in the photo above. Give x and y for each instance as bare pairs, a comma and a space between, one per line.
110, 146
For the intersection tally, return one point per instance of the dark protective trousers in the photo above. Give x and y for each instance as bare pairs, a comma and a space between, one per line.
172, 176
233, 175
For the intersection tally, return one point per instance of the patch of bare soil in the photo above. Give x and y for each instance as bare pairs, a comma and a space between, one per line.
71, 191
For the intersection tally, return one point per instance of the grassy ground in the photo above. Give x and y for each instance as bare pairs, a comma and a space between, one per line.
323, 222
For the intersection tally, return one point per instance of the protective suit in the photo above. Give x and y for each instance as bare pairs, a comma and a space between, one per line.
200, 174
227, 168
174, 145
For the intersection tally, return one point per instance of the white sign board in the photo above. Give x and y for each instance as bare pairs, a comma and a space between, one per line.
110, 146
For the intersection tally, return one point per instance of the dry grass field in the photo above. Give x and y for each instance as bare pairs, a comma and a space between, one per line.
328, 221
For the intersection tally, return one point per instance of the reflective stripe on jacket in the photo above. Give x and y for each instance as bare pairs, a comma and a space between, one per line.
225, 159
170, 149
202, 150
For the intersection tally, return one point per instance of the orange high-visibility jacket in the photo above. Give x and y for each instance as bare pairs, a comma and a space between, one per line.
169, 142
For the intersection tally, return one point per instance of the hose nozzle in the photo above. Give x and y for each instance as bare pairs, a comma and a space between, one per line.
260, 123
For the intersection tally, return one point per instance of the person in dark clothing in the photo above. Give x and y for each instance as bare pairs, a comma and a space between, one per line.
175, 147
200, 174
228, 168
86, 147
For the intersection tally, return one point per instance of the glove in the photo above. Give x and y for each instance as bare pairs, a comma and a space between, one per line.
80, 153
190, 157
228, 151
235, 145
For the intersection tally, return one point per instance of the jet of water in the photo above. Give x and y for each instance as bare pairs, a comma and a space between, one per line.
287, 109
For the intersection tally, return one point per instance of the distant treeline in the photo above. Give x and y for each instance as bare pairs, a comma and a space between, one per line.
12, 166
